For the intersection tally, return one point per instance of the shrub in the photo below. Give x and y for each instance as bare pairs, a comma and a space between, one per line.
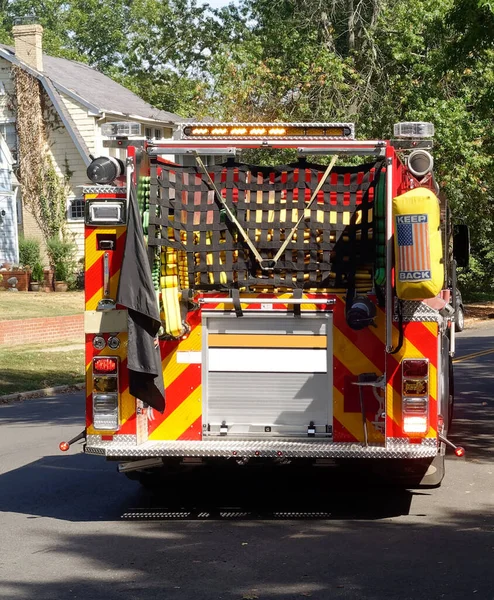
29, 252
37, 274
62, 258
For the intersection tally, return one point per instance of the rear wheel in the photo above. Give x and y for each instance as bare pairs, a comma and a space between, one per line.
460, 318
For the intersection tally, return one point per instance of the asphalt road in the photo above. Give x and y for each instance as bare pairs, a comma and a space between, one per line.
71, 527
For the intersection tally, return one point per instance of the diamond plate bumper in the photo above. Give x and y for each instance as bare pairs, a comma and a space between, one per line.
395, 448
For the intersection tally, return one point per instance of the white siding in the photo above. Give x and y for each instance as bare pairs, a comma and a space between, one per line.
77, 229
85, 123
66, 158
6, 91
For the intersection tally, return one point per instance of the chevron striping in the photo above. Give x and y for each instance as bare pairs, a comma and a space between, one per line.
92, 303
352, 357
352, 422
183, 417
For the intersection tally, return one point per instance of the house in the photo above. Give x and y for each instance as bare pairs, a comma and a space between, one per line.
76, 101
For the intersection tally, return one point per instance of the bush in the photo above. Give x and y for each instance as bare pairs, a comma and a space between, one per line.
29, 252
37, 274
62, 259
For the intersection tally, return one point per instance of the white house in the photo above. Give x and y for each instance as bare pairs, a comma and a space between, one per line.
78, 100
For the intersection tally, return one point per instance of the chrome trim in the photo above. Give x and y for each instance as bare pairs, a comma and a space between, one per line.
395, 448
103, 189
417, 311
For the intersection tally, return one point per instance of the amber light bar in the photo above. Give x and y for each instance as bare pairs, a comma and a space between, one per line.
323, 131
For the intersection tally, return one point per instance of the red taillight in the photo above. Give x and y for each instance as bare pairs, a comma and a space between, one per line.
105, 365
415, 367
459, 451
64, 446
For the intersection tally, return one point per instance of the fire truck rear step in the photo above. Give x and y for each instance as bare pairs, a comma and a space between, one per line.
395, 448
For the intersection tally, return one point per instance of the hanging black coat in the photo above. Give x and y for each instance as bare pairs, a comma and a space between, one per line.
137, 294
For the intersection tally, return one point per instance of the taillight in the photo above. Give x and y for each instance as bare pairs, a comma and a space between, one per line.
413, 424
415, 367
105, 412
105, 365
415, 387
415, 402
415, 406
105, 393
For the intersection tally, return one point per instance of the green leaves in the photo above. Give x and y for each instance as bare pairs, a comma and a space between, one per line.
373, 62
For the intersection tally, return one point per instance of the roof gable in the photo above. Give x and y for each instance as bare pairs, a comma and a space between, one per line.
98, 92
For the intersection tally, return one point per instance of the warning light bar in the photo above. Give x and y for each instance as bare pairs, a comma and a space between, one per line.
323, 131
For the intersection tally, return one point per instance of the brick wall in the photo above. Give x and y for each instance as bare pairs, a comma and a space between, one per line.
40, 331
23, 278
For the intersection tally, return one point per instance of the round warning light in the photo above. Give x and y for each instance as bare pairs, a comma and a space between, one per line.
64, 446
460, 451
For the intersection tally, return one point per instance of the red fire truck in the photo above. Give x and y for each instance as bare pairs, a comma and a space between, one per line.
296, 311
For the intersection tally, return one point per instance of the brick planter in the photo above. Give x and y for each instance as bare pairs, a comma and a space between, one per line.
22, 276
48, 283
39, 331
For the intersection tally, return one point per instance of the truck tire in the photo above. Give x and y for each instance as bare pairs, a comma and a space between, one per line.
460, 319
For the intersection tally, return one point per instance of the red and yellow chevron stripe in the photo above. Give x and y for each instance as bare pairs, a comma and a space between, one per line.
182, 419
93, 294
420, 341
354, 353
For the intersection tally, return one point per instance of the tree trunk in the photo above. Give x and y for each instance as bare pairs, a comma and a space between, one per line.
351, 25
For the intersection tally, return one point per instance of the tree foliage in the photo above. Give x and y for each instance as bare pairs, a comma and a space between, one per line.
373, 62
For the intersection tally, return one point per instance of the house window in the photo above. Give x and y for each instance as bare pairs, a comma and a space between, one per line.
76, 209
9, 134
157, 134
148, 132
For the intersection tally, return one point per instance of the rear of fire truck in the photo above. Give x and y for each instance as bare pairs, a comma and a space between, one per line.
283, 313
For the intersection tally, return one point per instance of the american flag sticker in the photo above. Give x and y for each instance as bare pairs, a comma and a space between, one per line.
413, 247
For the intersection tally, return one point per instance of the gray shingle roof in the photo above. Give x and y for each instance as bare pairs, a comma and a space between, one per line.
98, 90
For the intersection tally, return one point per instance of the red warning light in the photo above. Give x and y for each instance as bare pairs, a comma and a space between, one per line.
415, 367
105, 365
460, 451
64, 446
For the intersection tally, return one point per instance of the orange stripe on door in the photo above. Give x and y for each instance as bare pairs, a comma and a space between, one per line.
221, 340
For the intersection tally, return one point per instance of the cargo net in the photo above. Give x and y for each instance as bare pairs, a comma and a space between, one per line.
332, 248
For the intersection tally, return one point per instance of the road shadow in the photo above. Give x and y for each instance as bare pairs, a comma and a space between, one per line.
57, 487
406, 559
50, 410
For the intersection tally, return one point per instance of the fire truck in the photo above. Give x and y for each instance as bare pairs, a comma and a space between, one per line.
296, 311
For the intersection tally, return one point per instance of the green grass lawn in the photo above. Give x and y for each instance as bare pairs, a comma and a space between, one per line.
28, 305
23, 369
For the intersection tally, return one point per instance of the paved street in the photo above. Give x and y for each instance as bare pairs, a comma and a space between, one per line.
71, 527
